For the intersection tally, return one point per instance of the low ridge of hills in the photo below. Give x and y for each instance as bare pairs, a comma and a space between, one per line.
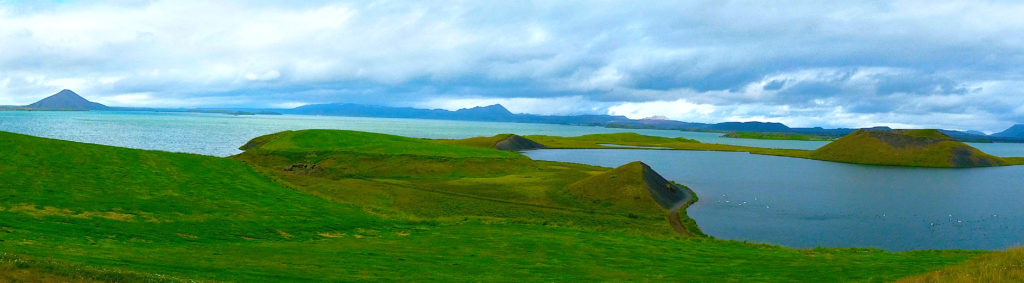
69, 100
922, 148
499, 113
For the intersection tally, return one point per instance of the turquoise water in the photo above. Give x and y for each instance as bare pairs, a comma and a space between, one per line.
221, 135
807, 203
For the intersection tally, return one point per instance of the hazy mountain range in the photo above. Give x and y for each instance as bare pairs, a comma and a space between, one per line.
69, 100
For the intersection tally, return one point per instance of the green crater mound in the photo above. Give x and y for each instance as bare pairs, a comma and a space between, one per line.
633, 187
921, 148
507, 142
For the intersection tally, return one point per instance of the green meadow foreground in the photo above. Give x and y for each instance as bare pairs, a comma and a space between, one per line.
339, 205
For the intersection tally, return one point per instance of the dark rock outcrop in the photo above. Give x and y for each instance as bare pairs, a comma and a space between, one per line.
517, 143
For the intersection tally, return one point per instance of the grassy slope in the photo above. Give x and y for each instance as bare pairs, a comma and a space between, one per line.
623, 188
924, 148
368, 143
774, 136
96, 212
1005, 266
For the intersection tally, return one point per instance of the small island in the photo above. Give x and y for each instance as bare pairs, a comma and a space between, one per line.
919, 148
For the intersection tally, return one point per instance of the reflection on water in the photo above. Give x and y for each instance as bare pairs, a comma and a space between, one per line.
807, 203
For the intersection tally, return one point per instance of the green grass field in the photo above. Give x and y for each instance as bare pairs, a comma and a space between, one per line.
370, 210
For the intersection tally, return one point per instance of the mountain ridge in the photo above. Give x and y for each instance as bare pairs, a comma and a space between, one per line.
1015, 131
498, 113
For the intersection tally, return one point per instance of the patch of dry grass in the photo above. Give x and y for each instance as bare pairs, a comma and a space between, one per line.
1004, 266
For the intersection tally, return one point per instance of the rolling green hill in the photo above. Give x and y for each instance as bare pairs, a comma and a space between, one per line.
922, 148
74, 211
633, 187
507, 142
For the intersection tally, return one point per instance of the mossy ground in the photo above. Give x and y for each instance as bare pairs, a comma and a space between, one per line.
89, 212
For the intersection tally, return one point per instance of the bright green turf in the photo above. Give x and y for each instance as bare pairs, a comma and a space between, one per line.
88, 211
369, 143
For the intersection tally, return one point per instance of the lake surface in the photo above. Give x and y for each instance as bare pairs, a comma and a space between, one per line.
221, 135
807, 203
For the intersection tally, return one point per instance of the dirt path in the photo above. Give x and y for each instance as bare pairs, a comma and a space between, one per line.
673, 214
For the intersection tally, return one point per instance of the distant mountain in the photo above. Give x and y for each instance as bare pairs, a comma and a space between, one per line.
66, 100
1015, 131
922, 148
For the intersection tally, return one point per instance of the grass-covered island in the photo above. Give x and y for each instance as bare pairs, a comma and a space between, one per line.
775, 136
922, 148
321, 205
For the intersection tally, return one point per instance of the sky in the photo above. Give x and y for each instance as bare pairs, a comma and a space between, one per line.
907, 64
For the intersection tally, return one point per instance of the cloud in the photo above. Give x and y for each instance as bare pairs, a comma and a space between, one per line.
895, 61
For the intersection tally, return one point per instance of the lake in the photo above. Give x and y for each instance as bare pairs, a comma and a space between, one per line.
221, 135
807, 203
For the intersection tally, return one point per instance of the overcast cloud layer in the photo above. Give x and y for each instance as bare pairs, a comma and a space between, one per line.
953, 65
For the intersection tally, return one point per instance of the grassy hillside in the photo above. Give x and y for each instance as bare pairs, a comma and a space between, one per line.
508, 142
922, 148
80, 211
629, 187
365, 143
